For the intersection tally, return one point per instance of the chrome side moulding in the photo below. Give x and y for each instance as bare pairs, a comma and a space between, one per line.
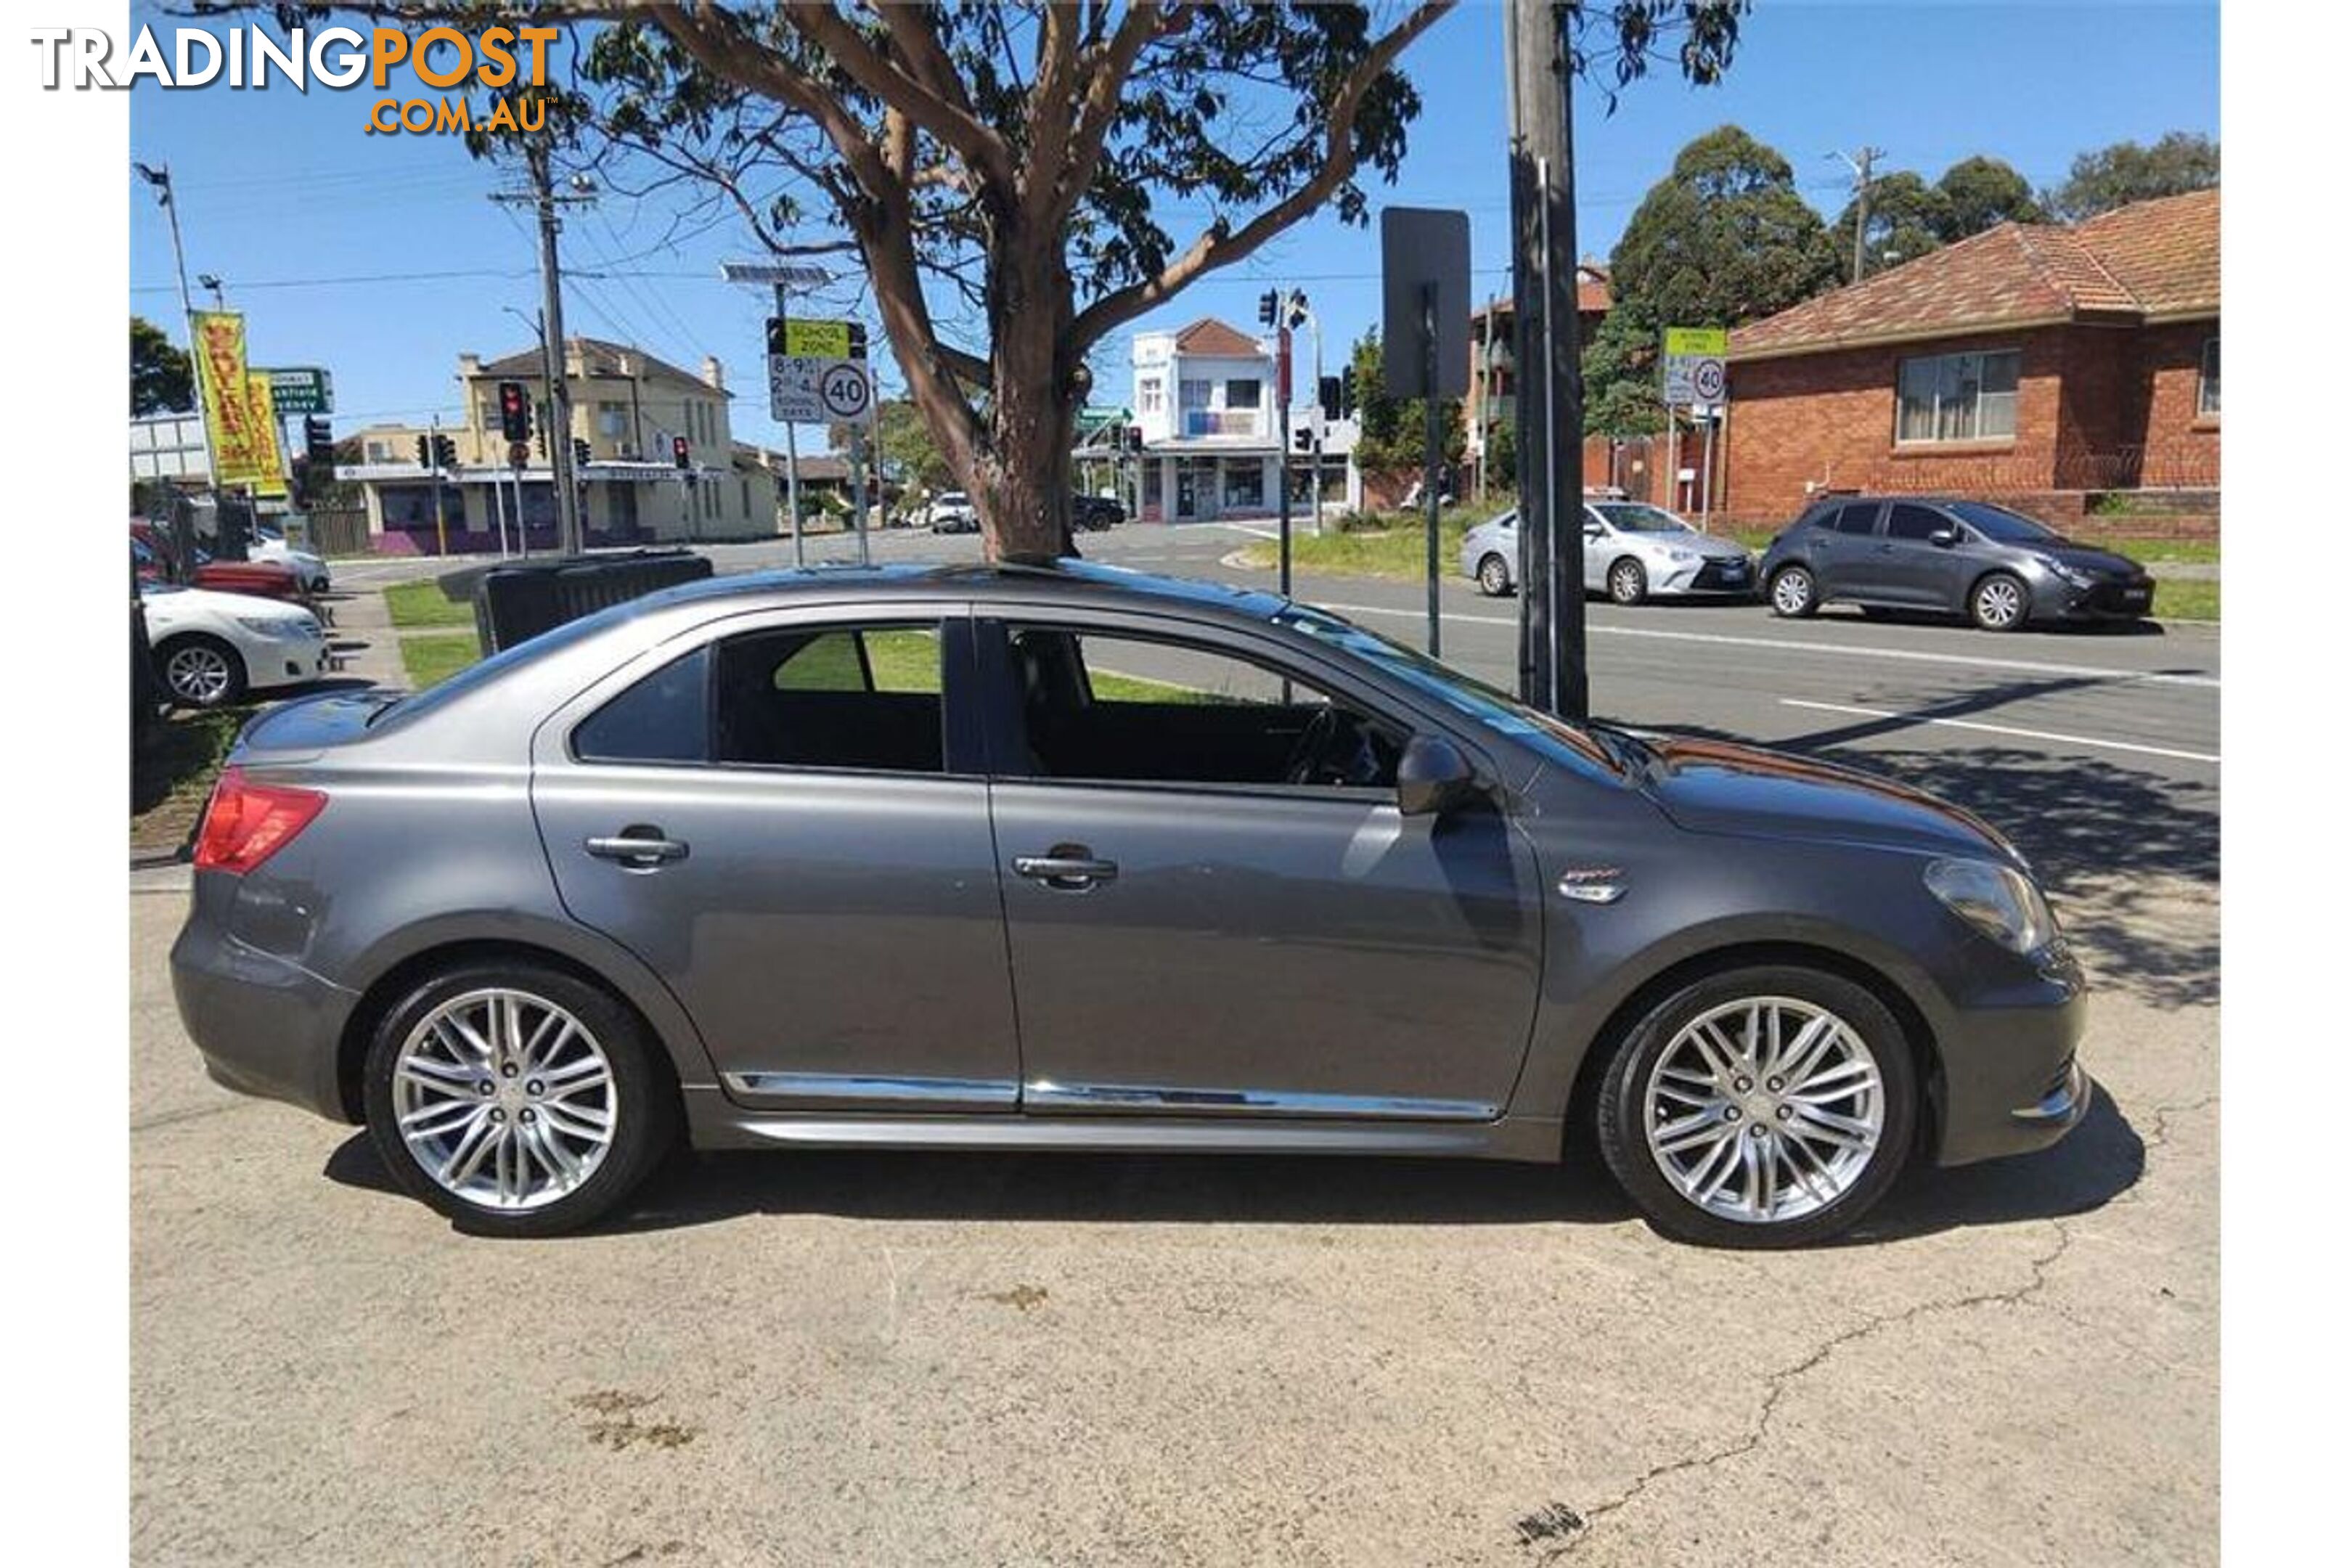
846, 1086
1042, 1094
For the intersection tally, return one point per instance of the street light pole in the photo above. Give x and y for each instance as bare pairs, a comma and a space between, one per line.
160, 177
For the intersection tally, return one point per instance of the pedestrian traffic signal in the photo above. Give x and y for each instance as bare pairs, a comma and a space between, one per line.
444, 452
1133, 441
1294, 309
514, 411
680, 453
1303, 438
423, 452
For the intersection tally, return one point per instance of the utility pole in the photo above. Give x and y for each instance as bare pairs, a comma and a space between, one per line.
1861, 163
1548, 418
160, 176
543, 198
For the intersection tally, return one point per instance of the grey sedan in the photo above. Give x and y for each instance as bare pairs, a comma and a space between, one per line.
1084, 859
1633, 552
1999, 568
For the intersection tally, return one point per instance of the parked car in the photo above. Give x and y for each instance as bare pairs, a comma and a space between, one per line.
951, 511
1093, 514
1999, 568
1633, 552
211, 649
1260, 879
310, 570
265, 579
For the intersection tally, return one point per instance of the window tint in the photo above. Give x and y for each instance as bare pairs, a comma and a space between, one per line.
1857, 517
1905, 520
831, 697
665, 718
1106, 708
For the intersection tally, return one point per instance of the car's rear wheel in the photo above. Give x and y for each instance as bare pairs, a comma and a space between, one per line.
1767, 1106
201, 671
1998, 603
1494, 576
1793, 594
517, 1099
1628, 583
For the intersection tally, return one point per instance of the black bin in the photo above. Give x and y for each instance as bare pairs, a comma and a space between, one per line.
520, 600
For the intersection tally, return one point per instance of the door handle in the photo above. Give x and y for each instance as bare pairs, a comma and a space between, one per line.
1068, 868
639, 848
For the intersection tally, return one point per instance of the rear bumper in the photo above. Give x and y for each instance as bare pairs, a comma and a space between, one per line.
266, 1026
2010, 1081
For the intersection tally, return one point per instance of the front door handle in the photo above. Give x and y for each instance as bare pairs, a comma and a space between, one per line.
638, 846
1068, 868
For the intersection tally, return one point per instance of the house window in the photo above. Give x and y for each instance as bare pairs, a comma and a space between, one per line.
2209, 380
1958, 397
611, 420
1192, 394
1244, 487
1152, 394
1242, 392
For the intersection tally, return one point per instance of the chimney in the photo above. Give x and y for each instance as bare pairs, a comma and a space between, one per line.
713, 373
468, 366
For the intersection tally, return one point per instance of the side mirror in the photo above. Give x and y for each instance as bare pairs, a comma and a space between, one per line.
1433, 777
1591, 530
1944, 538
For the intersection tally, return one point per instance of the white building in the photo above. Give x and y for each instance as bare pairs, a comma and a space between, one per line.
1205, 400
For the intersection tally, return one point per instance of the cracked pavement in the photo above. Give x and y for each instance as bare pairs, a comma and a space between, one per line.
911, 1358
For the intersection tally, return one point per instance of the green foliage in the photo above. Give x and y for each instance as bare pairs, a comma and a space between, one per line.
1982, 193
2117, 176
1908, 218
1621, 379
1503, 454
909, 455
1392, 432
162, 381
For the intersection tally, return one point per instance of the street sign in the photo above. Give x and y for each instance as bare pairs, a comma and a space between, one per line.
300, 389
805, 389
846, 390
804, 337
1424, 248
1694, 366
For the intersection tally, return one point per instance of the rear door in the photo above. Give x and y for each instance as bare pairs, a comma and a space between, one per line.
783, 818
1844, 553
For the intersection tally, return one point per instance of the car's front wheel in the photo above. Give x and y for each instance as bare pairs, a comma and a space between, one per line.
1494, 576
517, 1099
1628, 583
1999, 603
201, 671
1793, 594
1768, 1106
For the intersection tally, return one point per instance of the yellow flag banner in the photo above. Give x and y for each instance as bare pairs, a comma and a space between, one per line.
263, 406
229, 424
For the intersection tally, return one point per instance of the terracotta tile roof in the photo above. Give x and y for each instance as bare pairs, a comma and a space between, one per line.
1210, 336
2151, 259
597, 357
1592, 296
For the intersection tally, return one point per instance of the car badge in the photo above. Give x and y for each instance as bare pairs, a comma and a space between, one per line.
1592, 884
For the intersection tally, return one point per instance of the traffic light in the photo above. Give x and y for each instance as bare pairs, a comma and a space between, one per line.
444, 452
1303, 438
1337, 394
423, 452
514, 411
546, 423
1294, 309
579, 451
1132, 438
319, 445
856, 340
680, 453
1269, 306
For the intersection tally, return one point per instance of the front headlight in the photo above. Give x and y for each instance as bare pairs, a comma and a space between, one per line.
1680, 556
1999, 900
2080, 579
277, 626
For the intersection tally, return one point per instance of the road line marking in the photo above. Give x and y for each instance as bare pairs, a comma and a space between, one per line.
2001, 729
1794, 645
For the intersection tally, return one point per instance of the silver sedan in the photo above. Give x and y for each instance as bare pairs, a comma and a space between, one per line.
1633, 552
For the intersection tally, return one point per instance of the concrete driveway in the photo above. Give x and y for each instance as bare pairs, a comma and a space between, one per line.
927, 1358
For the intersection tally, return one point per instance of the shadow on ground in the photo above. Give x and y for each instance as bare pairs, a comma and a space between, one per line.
2099, 1161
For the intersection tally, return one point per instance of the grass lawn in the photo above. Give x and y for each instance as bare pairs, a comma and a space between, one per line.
2179, 600
433, 659
172, 775
1398, 550
423, 604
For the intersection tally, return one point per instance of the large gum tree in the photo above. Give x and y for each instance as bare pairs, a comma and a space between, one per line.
1013, 176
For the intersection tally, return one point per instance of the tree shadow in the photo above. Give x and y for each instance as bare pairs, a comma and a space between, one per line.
2100, 1160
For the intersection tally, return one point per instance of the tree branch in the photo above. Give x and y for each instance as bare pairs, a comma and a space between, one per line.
957, 128
1107, 69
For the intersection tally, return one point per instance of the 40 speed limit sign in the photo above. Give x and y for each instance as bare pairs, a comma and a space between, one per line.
806, 390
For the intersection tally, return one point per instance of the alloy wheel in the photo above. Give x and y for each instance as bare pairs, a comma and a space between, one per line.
1792, 592
1493, 577
504, 1099
1625, 583
198, 673
1998, 604
1765, 1109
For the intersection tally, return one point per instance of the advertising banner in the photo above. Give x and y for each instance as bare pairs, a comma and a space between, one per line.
261, 409
239, 454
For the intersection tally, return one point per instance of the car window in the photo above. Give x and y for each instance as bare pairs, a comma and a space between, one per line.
864, 696
2003, 526
1857, 517
1908, 521
663, 718
1110, 709
1638, 517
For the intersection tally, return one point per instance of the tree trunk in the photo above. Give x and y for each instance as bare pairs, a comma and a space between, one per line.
1022, 489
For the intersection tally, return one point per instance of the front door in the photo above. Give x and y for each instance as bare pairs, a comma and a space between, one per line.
1915, 568
1214, 906
780, 824
1188, 495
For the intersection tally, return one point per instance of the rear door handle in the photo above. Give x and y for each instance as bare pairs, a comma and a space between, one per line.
638, 848
1070, 868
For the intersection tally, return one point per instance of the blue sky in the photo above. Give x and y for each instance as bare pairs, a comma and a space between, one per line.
283, 194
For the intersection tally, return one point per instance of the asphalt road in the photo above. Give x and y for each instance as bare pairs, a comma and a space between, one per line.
884, 1357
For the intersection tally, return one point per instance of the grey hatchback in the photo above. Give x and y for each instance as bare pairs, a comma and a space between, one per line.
1077, 859
1999, 568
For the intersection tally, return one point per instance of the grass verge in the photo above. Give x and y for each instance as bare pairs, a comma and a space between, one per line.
172, 775
2178, 599
430, 660
423, 604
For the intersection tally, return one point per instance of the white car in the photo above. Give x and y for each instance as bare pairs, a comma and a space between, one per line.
1633, 552
211, 649
951, 511
309, 570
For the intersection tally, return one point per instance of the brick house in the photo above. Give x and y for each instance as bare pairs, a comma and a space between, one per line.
2040, 365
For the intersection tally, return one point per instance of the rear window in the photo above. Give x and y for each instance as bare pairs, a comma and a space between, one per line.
1857, 517
1906, 520
2001, 525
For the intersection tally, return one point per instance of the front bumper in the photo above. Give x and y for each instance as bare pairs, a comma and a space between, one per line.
2111, 601
2011, 1083
1724, 578
266, 1026
272, 661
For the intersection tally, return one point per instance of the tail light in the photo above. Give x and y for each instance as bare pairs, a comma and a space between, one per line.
247, 823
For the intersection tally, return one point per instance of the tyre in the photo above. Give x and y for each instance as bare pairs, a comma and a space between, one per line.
201, 671
1767, 1106
1999, 603
1628, 583
1494, 576
517, 1099
1794, 595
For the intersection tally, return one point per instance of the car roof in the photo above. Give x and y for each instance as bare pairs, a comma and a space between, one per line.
1060, 581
